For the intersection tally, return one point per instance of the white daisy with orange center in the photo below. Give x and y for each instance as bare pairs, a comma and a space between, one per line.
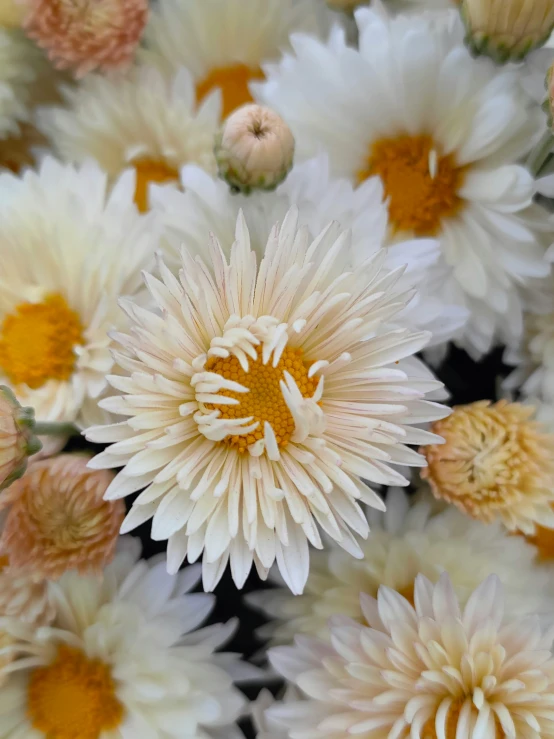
445, 133
70, 248
258, 395
145, 120
124, 658
225, 43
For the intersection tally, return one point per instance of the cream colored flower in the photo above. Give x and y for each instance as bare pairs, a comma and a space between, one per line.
507, 29
496, 463
425, 671
125, 658
17, 442
257, 395
254, 149
58, 520
407, 540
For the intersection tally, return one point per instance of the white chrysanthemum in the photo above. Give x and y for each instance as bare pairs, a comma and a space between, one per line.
264, 727
123, 659
70, 249
258, 398
144, 119
445, 132
404, 542
224, 43
425, 672
206, 204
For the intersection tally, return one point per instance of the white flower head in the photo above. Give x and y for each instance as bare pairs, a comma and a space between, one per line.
258, 397
445, 133
424, 671
145, 120
70, 249
124, 657
407, 540
224, 43
204, 204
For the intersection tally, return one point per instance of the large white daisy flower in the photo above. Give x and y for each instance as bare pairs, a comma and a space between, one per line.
444, 132
259, 397
69, 250
206, 204
404, 542
424, 671
224, 43
123, 659
145, 119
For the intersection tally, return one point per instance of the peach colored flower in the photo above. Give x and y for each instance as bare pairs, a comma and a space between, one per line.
16, 437
496, 463
24, 595
84, 35
58, 519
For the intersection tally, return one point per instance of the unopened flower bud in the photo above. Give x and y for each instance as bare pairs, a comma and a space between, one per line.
507, 30
17, 441
254, 149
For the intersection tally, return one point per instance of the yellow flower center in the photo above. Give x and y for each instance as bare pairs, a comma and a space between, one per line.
422, 186
264, 401
233, 81
37, 342
151, 171
73, 697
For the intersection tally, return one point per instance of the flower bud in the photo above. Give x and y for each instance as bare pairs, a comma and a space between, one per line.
254, 149
507, 30
17, 441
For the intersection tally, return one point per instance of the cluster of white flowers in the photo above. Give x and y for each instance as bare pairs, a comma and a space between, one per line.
240, 240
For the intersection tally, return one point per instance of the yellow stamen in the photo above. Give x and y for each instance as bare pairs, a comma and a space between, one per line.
265, 400
37, 342
233, 81
151, 171
421, 185
73, 697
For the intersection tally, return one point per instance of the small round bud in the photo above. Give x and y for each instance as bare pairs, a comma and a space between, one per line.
17, 441
254, 149
506, 30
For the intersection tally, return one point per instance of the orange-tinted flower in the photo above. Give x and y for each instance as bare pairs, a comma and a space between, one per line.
58, 519
496, 463
87, 34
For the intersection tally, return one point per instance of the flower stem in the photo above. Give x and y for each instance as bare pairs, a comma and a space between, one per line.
44, 428
540, 153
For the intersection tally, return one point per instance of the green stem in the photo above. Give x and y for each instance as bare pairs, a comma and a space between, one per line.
44, 428
538, 156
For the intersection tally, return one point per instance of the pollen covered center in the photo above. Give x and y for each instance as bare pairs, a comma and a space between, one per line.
264, 400
151, 171
37, 342
233, 81
421, 185
73, 697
